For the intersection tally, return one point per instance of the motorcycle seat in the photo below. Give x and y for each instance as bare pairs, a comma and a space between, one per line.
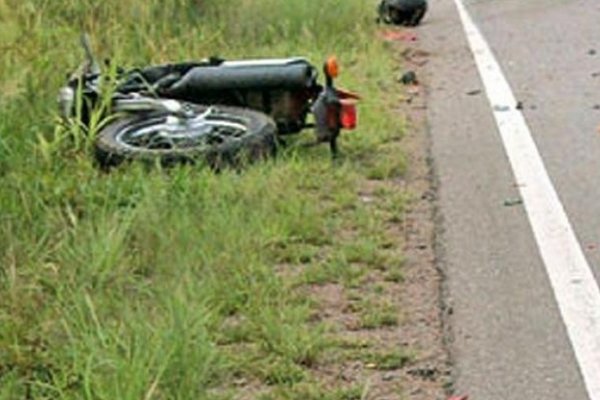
268, 74
264, 62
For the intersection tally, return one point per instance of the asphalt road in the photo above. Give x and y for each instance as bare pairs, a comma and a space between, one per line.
509, 341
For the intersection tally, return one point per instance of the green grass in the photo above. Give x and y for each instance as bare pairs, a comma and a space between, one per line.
387, 361
151, 284
377, 312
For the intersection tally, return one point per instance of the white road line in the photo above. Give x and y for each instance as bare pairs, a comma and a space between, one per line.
575, 288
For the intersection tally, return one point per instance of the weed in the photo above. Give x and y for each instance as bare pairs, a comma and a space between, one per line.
377, 314
388, 164
337, 269
395, 274
387, 361
393, 201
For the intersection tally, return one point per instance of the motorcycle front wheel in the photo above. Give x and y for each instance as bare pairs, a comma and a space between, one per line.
219, 136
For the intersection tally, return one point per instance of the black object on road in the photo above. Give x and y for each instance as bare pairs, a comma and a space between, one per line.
402, 12
409, 78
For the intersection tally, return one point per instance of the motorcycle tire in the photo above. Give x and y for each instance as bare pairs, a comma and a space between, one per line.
228, 136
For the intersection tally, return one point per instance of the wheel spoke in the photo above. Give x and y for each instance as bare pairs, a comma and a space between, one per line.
170, 132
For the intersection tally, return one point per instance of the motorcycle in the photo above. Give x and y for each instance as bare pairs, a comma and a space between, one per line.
214, 110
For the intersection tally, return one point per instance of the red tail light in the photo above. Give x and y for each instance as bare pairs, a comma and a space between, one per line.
348, 115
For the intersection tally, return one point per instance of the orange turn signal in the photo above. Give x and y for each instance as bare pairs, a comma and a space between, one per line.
332, 68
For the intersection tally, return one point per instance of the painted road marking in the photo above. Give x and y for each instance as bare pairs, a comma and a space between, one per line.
575, 289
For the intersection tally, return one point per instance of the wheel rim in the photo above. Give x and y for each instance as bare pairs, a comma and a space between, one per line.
171, 132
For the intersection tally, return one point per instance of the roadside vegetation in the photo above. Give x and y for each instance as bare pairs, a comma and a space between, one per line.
184, 284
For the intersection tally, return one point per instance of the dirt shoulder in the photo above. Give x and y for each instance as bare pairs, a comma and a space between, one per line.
392, 323
419, 295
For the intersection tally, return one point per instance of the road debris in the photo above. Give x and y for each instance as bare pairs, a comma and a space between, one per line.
395, 36
412, 91
473, 92
464, 397
415, 57
501, 108
367, 199
519, 105
401, 12
426, 373
409, 78
390, 376
512, 202
592, 52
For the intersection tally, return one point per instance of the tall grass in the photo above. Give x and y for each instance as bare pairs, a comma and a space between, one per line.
161, 284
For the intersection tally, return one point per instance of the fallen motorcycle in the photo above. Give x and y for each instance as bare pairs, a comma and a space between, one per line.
217, 111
